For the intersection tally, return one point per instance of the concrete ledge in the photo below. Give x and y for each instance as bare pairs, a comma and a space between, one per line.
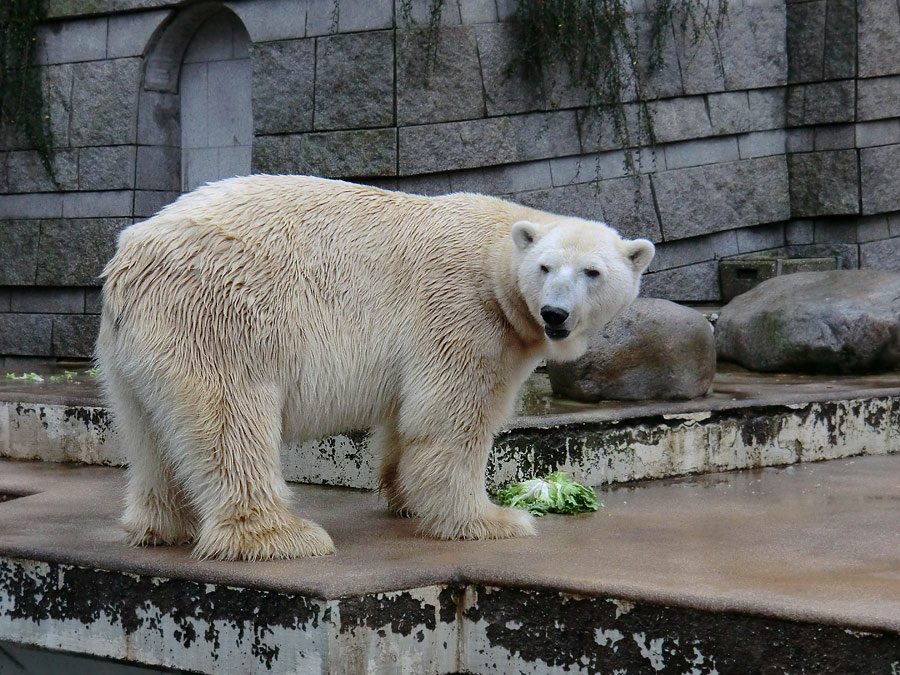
749, 421
726, 573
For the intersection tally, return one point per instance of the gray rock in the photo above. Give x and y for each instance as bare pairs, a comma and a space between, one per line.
691, 283
73, 252
840, 39
74, 335
25, 334
20, 239
879, 24
845, 321
654, 350
878, 98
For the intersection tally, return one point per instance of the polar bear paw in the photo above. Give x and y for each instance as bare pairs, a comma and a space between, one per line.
282, 537
495, 522
158, 528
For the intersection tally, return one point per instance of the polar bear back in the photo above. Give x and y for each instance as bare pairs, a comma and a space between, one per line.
333, 290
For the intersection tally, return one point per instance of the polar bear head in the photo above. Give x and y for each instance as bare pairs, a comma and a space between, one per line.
576, 275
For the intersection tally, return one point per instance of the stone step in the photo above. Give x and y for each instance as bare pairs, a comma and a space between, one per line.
790, 570
750, 420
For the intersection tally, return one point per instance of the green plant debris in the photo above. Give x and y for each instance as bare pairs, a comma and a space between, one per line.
29, 377
557, 493
67, 376
93, 372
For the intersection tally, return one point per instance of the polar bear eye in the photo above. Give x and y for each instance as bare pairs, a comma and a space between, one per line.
593, 274
545, 269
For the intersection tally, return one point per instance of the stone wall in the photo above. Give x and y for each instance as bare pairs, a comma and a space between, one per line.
787, 142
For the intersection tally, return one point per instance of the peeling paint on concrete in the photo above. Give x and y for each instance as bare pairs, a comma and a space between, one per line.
595, 452
433, 630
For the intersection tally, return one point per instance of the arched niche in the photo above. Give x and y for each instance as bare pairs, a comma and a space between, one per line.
206, 42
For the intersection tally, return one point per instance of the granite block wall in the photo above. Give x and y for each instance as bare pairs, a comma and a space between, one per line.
779, 134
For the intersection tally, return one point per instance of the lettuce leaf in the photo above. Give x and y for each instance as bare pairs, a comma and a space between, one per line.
557, 493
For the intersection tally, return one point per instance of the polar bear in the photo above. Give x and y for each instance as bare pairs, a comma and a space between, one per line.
264, 309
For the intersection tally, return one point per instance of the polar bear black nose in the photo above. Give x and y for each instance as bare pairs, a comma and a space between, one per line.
554, 316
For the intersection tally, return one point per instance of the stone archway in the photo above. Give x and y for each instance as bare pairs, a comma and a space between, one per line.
159, 173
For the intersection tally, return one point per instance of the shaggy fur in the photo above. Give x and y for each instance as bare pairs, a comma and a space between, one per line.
270, 308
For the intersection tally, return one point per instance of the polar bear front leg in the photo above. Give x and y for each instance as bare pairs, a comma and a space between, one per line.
442, 481
231, 461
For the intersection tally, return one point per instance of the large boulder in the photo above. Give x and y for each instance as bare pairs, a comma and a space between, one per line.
844, 321
654, 350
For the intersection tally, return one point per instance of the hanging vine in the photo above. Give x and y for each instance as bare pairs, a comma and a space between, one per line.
22, 108
598, 43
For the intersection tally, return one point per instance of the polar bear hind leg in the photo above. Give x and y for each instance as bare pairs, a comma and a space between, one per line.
227, 440
156, 508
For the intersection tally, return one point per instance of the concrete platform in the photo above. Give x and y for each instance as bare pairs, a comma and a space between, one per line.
793, 570
749, 420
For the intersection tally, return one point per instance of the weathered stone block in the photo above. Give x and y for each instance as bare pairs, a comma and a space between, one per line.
26, 334
57, 84
625, 204
104, 102
412, 13
478, 11
654, 350
27, 173
129, 34
594, 167
441, 84
19, 242
879, 38
762, 143
73, 253
670, 254
834, 137
75, 336
433, 184
768, 107
759, 238
48, 300
880, 174
365, 15
799, 232
828, 102
699, 60
283, 77
106, 168
267, 20
97, 204
881, 132
47, 205
729, 112
703, 151
836, 231
806, 41
68, 41
149, 202
840, 40
502, 180
364, 152
872, 228
881, 255
755, 54
93, 300
507, 89
663, 79
691, 283
800, 140
355, 81
878, 98
824, 183
159, 118
705, 199
499, 140
158, 168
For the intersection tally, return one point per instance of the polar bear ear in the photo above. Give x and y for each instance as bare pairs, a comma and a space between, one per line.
525, 233
640, 252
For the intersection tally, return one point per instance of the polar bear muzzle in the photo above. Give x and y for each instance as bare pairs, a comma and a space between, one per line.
555, 319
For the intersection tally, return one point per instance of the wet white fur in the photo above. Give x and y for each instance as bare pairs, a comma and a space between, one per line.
270, 308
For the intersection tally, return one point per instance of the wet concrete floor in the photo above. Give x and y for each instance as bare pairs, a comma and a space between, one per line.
815, 542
